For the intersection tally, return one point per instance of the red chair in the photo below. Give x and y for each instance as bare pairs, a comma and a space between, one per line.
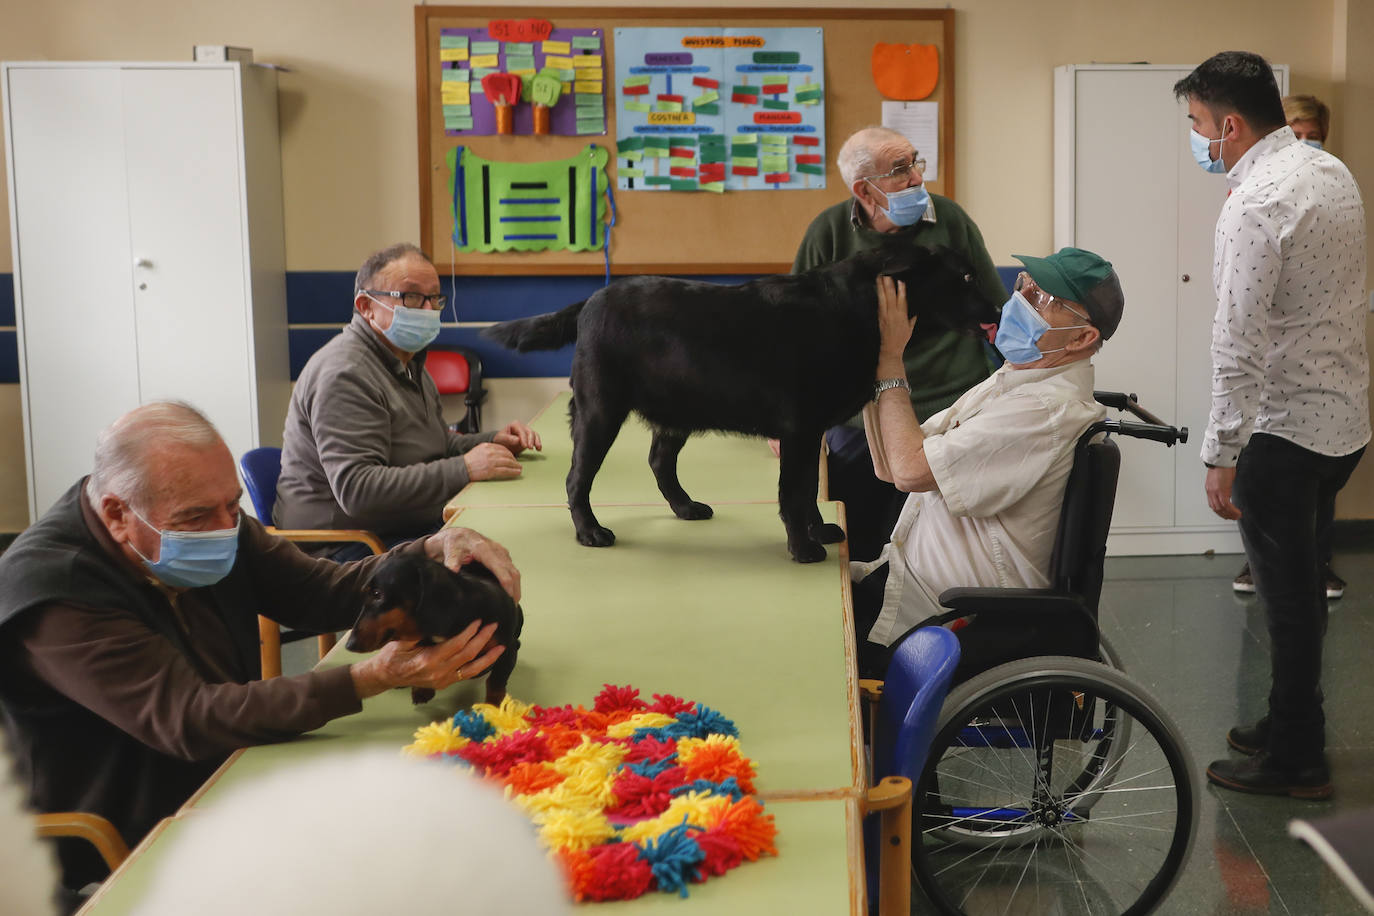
458, 370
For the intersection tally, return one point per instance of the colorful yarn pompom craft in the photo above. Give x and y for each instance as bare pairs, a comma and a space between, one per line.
628, 796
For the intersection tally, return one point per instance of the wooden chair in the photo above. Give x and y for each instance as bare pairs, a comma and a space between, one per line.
458, 370
92, 828
260, 468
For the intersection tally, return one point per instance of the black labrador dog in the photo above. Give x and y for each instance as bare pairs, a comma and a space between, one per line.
781, 356
414, 598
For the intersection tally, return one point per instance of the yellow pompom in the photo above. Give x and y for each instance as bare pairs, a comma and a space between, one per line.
576, 830
504, 718
688, 747
436, 738
640, 720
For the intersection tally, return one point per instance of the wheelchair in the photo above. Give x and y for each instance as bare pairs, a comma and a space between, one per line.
1052, 783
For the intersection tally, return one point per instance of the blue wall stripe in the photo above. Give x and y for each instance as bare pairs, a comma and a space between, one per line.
325, 297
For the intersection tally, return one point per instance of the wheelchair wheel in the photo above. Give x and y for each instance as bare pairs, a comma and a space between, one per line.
1034, 800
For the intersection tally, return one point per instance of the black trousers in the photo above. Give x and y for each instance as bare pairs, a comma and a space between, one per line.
871, 506
1287, 498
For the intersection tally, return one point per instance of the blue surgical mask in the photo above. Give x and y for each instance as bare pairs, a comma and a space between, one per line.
191, 559
411, 329
1201, 147
1315, 144
1020, 329
906, 206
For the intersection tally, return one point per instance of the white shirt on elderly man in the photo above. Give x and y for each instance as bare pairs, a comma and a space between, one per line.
1001, 457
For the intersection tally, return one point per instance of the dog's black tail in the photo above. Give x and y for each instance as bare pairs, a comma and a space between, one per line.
541, 332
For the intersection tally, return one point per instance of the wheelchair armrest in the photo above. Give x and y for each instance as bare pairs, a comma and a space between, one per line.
1007, 600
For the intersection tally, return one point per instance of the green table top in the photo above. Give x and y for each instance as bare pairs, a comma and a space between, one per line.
810, 874
713, 468
711, 611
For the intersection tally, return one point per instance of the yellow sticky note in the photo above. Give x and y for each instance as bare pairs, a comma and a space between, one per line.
486, 60
558, 63
590, 74
453, 53
592, 86
457, 93
557, 47
584, 61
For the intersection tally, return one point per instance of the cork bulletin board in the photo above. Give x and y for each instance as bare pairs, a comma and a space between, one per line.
659, 228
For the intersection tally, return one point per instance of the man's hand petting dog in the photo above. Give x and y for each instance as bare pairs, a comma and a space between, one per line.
490, 461
408, 664
457, 547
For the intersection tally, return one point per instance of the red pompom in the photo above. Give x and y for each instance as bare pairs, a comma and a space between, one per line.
613, 698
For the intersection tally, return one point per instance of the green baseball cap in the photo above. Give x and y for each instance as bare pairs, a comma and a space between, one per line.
1082, 277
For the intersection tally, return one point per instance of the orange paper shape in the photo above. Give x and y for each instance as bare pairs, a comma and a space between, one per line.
905, 72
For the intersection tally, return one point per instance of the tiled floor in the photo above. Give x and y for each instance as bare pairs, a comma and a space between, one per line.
1202, 650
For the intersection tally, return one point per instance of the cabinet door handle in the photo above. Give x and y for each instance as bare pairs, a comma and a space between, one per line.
142, 262
1186, 278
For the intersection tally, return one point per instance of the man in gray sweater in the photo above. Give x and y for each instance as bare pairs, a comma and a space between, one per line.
366, 445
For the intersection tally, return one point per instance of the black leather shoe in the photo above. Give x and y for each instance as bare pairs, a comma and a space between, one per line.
1258, 775
1249, 739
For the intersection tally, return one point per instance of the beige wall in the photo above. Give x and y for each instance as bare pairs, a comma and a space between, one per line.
348, 106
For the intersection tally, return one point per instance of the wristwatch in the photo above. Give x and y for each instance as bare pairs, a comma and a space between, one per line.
883, 384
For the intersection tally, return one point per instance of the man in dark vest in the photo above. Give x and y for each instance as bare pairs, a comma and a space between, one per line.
129, 665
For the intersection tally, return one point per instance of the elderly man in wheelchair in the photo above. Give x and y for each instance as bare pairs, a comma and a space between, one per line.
1047, 781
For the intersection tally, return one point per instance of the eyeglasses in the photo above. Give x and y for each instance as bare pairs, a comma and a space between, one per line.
413, 300
1040, 300
901, 170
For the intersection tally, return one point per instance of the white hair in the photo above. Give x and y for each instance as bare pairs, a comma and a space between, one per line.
855, 159
356, 835
122, 449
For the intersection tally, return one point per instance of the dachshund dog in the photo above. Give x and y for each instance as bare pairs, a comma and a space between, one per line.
414, 598
782, 356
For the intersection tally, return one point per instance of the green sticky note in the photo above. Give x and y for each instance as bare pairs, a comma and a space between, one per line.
667, 106
716, 186
775, 163
777, 57
566, 75
657, 179
778, 140
586, 42
458, 123
486, 47
632, 155
591, 126
516, 62
712, 109
737, 139
590, 100
712, 155
712, 140
683, 184
455, 76
638, 80
480, 72
656, 143
626, 144
750, 162
521, 48
775, 104
655, 153
642, 107
808, 93
453, 41
682, 141
705, 98
748, 149
630, 173
681, 162
809, 169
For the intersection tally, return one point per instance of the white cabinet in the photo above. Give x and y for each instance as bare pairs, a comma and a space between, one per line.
149, 261
1126, 187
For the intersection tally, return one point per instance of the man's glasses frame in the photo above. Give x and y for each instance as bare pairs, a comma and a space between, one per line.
412, 300
901, 170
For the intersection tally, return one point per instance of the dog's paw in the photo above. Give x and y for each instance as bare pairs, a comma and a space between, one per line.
421, 695
595, 537
693, 511
828, 534
807, 552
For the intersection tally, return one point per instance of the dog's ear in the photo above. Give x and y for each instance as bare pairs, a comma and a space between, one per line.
902, 258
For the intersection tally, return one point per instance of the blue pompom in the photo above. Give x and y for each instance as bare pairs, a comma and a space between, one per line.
472, 726
673, 858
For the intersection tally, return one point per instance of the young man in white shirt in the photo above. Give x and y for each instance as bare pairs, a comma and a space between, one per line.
986, 476
1290, 383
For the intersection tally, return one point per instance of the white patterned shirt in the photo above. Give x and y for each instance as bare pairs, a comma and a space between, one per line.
1288, 338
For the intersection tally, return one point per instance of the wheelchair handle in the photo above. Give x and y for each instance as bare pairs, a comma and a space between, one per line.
1153, 427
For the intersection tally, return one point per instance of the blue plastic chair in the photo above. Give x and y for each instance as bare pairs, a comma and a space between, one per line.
904, 710
260, 468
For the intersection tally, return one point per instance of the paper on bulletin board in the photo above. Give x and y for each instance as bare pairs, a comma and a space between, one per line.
919, 122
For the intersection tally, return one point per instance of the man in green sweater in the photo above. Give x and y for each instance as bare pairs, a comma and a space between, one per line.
883, 172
